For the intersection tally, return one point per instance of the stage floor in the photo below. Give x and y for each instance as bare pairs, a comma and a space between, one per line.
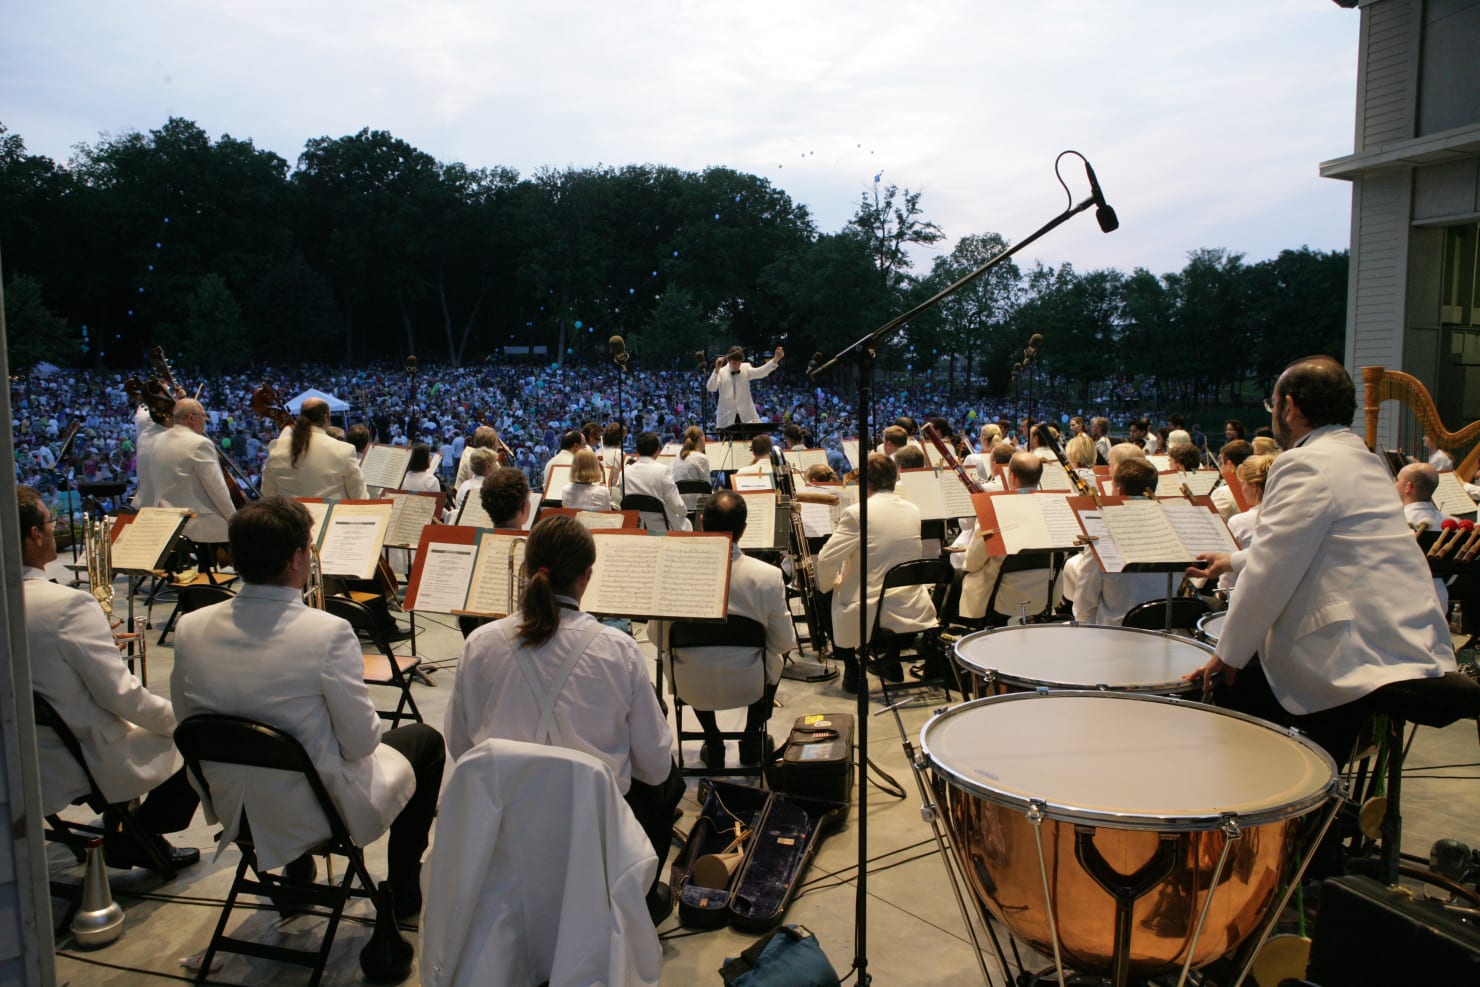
915, 930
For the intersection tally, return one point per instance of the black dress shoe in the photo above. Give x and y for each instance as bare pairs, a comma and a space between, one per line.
889, 671
850, 680
754, 748
301, 871
124, 853
660, 903
397, 635
713, 754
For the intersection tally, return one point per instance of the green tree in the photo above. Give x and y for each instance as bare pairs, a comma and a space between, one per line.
212, 336
979, 311
891, 222
33, 332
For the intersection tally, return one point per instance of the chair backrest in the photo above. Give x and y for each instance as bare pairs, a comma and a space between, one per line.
198, 596
736, 631
717, 665
224, 739
916, 572
360, 618
650, 508
47, 716
1152, 615
693, 487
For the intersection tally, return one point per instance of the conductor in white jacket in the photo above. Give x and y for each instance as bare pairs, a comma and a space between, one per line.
731, 381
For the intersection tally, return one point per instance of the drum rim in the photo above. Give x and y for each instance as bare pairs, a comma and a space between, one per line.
1057, 685
1211, 616
1133, 820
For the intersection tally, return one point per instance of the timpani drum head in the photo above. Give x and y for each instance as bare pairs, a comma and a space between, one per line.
1210, 626
1083, 656
1136, 762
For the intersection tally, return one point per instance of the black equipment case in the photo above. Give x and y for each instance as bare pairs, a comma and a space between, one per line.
817, 760
1369, 934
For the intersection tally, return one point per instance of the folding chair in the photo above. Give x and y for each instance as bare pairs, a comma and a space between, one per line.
652, 514
1024, 562
699, 489
702, 675
385, 668
196, 596
936, 573
1153, 615
235, 740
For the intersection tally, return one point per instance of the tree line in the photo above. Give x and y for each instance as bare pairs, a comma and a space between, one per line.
367, 249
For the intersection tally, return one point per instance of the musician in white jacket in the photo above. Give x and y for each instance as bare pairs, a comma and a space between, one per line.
305, 461
731, 382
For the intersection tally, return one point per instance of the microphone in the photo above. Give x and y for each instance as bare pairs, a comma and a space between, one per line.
619, 350
814, 363
1104, 215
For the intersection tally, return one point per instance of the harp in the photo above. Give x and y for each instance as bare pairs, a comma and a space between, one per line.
1381, 385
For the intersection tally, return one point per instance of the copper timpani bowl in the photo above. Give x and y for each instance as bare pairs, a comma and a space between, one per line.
1128, 790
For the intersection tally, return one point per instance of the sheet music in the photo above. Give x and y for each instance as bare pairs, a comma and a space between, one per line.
921, 487
805, 459
1055, 479
472, 514
671, 576
760, 520
1034, 521
727, 456
1107, 486
447, 570
1162, 463
488, 591
1199, 529
141, 545
435, 463
752, 481
670, 450
1169, 484
1143, 534
318, 510
599, 520
1201, 482
1094, 526
352, 540
932, 455
851, 451
1451, 497
819, 520
409, 514
385, 466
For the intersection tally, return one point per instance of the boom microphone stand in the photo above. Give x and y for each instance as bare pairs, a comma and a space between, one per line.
864, 352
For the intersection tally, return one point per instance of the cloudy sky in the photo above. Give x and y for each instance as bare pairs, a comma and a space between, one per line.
1205, 121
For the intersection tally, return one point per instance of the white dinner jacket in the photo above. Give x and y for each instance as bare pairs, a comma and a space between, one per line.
124, 729
893, 537
265, 655
1334, 592
329, 469
734, 391
186, 473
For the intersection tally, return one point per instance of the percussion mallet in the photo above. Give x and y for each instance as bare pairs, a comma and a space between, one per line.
1449, 527
1472, 545
1466, 533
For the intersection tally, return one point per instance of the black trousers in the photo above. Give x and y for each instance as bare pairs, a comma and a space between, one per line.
170, 807
653, 806
1335, 729
424, 748
756, 714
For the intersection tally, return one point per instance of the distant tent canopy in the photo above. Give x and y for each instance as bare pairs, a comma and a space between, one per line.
337, 406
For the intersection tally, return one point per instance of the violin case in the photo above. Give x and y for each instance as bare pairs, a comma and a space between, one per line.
785, 831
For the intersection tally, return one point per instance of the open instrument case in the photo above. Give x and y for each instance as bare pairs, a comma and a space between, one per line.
784, 834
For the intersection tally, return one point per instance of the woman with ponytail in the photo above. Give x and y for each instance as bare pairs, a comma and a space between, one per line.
552, 674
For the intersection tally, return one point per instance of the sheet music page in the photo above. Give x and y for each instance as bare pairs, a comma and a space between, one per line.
1107, 486
1169, 484
670, 450
1201, 482
760, 520
819, 520
1055, 479
933, 456
1143, 534
694, 575
752, 481
1451, 497
921, 487
1094, 526
1162, 463
1020, 522
488, 591
141, 545
1063, 530
353, 538
805, 459
624, 579
436, 462
849, 494
411, 512
851, 451
726, 456
559, 477
1200, 529
385, 466
318, 510
447, 570
472, 514
599, 520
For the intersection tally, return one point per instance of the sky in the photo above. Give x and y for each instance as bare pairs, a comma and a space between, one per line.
1205, 122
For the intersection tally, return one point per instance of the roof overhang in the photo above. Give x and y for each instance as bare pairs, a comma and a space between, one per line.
1459, 144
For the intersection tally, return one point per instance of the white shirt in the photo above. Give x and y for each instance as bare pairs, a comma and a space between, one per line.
607, 706
586, 497
694, 466
733, 388
650, 478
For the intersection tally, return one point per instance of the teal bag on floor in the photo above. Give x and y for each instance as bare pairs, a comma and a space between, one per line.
786, 957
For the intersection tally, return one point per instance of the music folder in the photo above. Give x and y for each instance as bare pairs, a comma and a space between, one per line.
1015, 523
349, 534
1141, 534
384, 466
596, 520
462, 570
412, 511
139, 544
1230, 480
681, 575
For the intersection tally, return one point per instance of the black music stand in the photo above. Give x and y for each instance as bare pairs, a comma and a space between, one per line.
864, 353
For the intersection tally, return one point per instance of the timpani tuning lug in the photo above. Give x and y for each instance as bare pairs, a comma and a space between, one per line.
929, 813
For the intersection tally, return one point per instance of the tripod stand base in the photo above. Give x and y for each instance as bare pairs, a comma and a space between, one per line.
808, 671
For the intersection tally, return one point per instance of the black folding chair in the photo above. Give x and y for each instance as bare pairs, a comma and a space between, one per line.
1185, 611
695, 488
692, 636
649, 508
195, 596
936, 573
385, 668
235, 740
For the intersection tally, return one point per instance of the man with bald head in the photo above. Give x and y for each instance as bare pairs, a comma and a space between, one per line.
186, 473
1416, 485
305, 461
